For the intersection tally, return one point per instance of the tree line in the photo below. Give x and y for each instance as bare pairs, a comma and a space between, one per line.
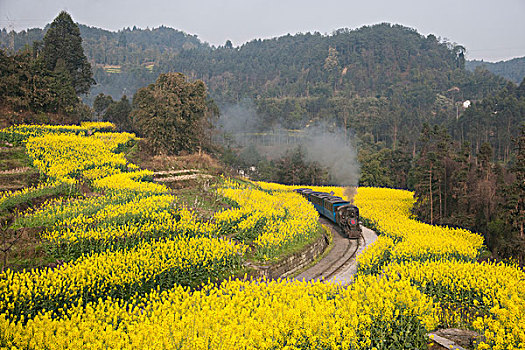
48, 76
384, 80
456, 187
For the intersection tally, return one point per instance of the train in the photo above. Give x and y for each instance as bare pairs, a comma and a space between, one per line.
335, 209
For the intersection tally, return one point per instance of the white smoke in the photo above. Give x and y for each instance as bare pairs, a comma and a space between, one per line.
326, 145
334, 151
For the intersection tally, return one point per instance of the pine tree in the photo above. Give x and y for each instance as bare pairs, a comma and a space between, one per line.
63, 41
432, 175
516, 194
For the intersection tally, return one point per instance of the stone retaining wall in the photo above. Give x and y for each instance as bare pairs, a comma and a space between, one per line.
295, 262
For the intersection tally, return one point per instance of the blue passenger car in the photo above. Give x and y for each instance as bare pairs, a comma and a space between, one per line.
335, 209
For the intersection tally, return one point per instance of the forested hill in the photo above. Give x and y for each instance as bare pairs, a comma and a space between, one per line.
122, 61
382, 80
513, 70
127, 46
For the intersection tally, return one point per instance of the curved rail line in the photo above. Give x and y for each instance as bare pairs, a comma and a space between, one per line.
344, 263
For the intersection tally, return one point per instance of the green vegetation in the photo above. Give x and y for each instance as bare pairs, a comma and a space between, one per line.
513, 70
119, 113
173, 114
380, 85
44, 79
457, 188
63, 53
384, 81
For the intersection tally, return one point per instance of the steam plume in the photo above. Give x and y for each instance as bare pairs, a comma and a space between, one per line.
331, 149
324, 144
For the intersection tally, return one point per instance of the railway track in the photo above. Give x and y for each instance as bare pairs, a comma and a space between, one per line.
347, 258
338, 259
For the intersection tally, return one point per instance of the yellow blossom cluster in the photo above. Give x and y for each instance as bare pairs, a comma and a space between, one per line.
440, 261
272, 222
130, 181
17, 134
127, 225
113, 140
143, 208
64, 157
491, 296
240, 315
118, 223
114, 231
117, 274
118, 219
54, 211
388, 212
130, 251
376, 256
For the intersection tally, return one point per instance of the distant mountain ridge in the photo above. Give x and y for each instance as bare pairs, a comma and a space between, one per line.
382, 82
513, 70
102, 46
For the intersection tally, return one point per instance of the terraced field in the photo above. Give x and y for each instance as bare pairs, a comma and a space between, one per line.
134, 266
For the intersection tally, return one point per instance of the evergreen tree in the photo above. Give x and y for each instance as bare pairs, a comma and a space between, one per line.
294, 169
432, 174
119, 114
101, 104
63, 89
518, 208
122, 41
513, 208
63, 41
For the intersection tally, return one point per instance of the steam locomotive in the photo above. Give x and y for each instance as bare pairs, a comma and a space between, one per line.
335, 209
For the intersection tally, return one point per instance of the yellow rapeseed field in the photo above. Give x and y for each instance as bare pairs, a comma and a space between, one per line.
139, 271
273, 221
240, 315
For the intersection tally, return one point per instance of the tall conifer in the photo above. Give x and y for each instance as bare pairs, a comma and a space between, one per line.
63, 41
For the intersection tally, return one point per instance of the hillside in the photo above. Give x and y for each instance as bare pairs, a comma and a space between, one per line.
107, 47
129, 52
513, 70
364, 79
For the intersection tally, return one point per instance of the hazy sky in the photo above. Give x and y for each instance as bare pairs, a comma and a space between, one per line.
492, 30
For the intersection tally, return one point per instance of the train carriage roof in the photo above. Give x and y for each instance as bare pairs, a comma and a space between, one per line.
303, 190
319, 194
336, 200
324, 196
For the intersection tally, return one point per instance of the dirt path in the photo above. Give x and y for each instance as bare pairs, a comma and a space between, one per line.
340, 263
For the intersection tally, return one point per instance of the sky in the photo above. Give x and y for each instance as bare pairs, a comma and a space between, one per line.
492, 30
